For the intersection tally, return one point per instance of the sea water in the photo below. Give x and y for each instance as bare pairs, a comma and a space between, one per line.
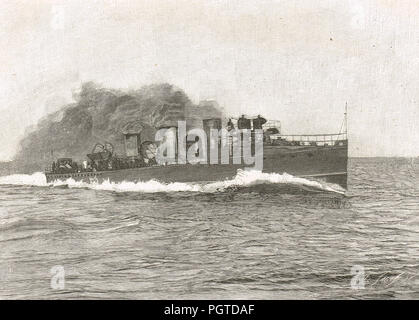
257, 236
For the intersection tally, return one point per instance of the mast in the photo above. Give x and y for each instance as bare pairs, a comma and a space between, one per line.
345, 121
346, 118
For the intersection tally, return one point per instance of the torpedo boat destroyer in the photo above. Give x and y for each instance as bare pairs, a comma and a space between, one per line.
319, 157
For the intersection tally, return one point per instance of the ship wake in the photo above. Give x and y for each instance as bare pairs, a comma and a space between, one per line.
243, 181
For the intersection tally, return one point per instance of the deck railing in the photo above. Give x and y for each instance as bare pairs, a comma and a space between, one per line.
310, 139
272, 124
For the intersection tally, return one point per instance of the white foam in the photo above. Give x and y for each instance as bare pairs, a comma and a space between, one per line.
247, 178
150, 186
242, 179
35, 179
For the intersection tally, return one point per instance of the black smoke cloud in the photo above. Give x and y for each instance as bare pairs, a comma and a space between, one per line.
98, 115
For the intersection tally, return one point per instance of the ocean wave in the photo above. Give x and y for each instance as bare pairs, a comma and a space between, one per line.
243, 179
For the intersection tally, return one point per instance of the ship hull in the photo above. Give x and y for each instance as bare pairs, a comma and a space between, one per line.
326, 163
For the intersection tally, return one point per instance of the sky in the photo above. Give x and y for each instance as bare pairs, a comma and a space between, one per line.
294, 61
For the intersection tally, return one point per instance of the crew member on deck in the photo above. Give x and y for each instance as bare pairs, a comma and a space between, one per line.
230, 125
243, 123
258, 122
